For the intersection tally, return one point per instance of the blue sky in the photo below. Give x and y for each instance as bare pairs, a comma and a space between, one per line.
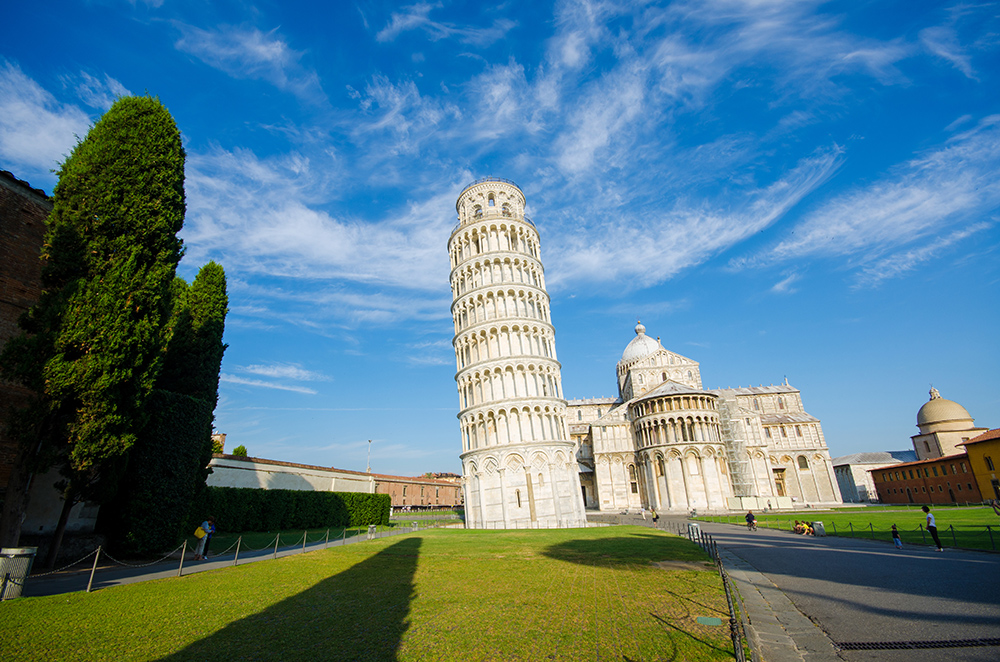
800, 189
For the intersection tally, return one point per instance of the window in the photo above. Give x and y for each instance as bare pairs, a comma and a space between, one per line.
756, 404
803, 462
923, 489
798, 431
940, 488
767, 432
664, 375
911, 473
959, 487
989, 462
927, 446
783, 432
404, 490
964, 470
492, 202
781, 402
598, 412
579, 414
953, 470
969, 485
935, 470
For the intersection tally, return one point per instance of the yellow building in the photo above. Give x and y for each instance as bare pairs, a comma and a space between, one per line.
984, 457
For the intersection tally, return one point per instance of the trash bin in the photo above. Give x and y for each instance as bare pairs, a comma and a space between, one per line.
819, 529
15, 566
694, 531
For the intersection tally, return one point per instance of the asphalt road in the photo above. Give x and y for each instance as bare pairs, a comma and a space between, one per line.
866, 591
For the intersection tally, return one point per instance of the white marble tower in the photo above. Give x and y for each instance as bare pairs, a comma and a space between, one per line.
518, 463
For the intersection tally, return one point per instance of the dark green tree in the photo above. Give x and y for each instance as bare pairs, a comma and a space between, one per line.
240, 451
92, 346
168, 464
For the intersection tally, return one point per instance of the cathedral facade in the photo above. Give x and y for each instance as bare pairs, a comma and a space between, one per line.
669, 444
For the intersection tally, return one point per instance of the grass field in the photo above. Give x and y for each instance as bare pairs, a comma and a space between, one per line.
972, 527
576, 594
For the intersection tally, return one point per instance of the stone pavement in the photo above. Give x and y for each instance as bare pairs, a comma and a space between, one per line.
805, 595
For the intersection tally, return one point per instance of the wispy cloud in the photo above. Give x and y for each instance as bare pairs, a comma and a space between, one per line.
952, 185
417, 17
250, 53
943, 42
94, 91
242, 381
284, 371
36, 131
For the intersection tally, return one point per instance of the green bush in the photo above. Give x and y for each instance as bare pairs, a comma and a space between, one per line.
239, 509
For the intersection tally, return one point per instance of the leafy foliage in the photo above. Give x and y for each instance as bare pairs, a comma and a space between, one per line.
92, 346
240, 509
240, 451
167, 466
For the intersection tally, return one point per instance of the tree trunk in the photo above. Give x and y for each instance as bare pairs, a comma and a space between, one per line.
69, 500
16, 499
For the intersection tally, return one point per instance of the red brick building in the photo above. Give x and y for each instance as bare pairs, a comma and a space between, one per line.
947, 479
23, 211
420, 493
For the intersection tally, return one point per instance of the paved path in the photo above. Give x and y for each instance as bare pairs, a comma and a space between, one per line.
77, 578
862, 591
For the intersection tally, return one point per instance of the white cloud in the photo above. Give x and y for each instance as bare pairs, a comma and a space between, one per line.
284, 371
417, 17
36, 131
947, 186
250, 53
943, 42
232, 379
98, 93
784, 286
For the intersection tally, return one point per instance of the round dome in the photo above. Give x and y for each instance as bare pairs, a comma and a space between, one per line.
642, 345
939, 410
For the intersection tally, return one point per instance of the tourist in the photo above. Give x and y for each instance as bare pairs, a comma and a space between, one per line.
895, 538
203, 533
751, 521
932, 527
656, 518
798, 528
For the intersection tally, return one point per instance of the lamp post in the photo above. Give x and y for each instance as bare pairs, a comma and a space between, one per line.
369, 456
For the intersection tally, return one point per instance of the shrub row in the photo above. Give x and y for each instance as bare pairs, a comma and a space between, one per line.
239, 509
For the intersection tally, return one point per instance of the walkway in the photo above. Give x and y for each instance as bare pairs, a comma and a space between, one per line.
804, 594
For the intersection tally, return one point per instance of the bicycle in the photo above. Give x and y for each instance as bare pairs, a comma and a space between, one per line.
752, 525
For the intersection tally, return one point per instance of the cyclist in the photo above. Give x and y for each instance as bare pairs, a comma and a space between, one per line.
751, 521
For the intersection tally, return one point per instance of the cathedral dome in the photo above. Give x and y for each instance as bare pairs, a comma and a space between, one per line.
641, 346
939, 410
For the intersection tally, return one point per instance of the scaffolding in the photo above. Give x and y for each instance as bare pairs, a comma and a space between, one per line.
734, 436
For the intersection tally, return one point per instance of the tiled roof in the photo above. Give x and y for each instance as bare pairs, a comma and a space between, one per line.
945, 458
878, 457
759, 390
786, 419
986, 436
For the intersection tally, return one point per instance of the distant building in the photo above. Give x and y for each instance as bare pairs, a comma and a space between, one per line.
944, 471
854, 472
984, 456
253, 472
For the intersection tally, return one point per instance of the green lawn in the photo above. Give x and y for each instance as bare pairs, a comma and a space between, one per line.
577, 594
973, 527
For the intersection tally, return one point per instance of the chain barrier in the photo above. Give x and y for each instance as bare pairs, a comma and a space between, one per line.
141, 565
65, 567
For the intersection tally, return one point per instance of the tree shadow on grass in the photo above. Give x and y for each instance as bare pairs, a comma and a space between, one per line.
358, 614
637, 548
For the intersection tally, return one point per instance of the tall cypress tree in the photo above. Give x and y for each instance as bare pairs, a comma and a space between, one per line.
168, 465
92, 346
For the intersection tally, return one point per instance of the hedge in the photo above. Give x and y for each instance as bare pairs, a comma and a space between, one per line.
240, 509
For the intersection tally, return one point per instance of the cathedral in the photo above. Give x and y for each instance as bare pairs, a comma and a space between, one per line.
669, 444
530, 459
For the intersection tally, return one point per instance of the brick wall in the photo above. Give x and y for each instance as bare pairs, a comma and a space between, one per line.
22, 226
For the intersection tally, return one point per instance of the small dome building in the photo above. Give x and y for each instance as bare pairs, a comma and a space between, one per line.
943, 424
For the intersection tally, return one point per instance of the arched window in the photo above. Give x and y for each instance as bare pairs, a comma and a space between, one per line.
579, 414
690, 376
660, 468
634, 484
781, 402
756, 404
505, 209
803, 462
664, 375
492, 202
477, 212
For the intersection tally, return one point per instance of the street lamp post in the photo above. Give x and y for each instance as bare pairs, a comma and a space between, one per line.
369, 456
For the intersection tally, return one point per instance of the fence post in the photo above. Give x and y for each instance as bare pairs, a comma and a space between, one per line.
183, 551
93, 569
954, 541
990, 531
278, 535
872, 528
835, 527
238, 541
327, 543
304, 535
923, 536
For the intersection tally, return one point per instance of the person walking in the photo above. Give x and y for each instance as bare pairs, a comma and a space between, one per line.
895, 538
932, 527
206, 529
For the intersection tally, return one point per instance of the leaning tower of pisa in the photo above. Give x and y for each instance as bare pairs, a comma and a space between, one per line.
519, 466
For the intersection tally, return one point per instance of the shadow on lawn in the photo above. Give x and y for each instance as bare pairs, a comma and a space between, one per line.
636, 548
358, 614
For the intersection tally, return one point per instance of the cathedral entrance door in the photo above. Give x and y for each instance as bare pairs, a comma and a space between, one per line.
779, 482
